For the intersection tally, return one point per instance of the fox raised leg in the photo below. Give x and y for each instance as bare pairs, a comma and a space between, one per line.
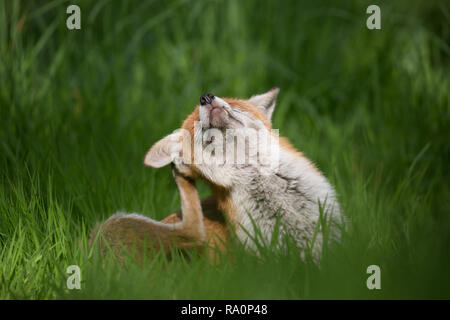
137, 235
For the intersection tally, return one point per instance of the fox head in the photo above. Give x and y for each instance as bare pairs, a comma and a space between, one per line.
207, 144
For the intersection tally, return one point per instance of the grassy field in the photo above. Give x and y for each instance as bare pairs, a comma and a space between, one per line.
79, 109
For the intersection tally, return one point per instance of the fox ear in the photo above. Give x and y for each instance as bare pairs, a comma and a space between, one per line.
164, 151
266, 101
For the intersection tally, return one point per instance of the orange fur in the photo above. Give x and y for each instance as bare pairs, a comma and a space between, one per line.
287, 145
215, 226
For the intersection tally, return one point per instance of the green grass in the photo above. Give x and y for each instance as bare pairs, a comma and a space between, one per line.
79, 109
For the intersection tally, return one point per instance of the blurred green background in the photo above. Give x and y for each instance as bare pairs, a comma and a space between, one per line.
80, 108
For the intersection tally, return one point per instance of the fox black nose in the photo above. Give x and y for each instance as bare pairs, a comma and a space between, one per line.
207, 98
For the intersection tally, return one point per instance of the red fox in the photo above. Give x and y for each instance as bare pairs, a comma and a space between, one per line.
286, 189
262, 184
